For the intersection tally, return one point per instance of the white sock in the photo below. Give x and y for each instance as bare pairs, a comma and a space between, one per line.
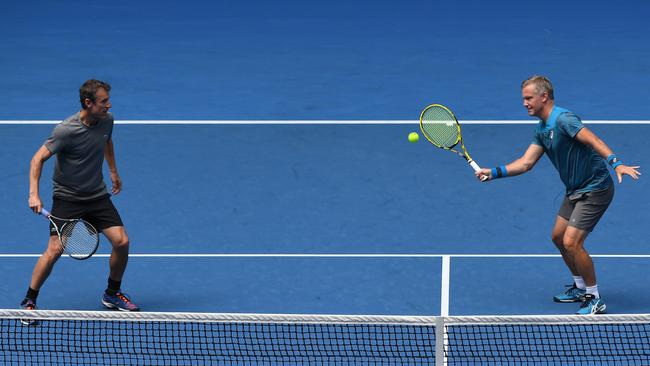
580, 283
593, 290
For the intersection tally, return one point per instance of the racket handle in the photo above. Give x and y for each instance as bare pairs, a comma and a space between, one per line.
476, 169
45, 212
474, 165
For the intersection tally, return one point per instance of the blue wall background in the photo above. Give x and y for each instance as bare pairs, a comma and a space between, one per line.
297, 60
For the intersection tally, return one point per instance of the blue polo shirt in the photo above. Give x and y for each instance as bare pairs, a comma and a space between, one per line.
580, 167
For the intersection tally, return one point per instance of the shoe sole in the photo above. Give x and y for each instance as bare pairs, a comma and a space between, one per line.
28, 322
568, 301
599, 310
111, 306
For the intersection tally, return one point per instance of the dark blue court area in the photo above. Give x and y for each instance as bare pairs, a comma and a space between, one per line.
295, 60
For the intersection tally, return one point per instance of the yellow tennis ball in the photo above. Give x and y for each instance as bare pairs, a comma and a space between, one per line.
414, 137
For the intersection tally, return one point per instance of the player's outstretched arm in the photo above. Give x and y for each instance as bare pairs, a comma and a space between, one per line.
517, 167
589, 138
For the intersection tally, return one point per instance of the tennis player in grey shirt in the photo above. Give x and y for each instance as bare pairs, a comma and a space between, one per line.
78, 169
81, 144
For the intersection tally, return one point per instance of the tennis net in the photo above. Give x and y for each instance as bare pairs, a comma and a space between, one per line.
83, 337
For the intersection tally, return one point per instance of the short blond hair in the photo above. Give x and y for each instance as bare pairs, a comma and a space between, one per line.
542, 84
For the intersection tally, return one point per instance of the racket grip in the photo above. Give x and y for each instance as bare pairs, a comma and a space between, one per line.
476, 168
45, 212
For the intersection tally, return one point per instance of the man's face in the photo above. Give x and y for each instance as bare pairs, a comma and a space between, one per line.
533, 101
101, 105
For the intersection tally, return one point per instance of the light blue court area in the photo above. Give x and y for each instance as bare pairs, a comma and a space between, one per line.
242, 285
384, 212
507, 285
328, 189
294, 284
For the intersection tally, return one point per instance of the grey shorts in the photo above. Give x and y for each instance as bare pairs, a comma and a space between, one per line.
583, 210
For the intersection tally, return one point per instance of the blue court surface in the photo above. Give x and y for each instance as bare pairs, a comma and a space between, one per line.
287, 184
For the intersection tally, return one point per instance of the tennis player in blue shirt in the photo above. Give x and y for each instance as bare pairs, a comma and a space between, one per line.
581, 159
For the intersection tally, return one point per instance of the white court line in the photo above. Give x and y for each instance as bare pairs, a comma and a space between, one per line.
318, 122
444, 285
335, 255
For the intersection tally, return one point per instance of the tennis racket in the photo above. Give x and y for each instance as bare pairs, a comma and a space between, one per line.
441, 128
77, 237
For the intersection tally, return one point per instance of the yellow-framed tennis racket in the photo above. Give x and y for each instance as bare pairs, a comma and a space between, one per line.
441, 128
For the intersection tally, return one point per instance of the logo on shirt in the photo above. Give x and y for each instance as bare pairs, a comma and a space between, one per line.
550, 135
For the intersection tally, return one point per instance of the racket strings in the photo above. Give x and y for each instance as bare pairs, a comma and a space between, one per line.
440, 127
79, 239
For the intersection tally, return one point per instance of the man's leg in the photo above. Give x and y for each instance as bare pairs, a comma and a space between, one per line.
557, 236
574, 240
113, 298
576, 292
42, 270
46, 262
120, 253
587, 210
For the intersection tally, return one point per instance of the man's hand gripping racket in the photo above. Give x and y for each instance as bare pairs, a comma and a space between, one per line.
78, 238
441, 128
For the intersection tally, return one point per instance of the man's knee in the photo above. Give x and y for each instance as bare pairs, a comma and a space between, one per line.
558, 239
559, 231
572, 243
120, 241
54, 249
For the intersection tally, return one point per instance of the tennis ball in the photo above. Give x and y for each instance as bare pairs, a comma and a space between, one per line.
414, 137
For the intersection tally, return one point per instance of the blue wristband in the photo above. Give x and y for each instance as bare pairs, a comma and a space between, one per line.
499, 172
613, 161
611, 158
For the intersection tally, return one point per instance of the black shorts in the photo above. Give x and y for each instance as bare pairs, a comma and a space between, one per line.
100, 213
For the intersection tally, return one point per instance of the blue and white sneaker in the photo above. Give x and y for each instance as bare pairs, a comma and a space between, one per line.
28, 304
119, 301
592, 305
573, 294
